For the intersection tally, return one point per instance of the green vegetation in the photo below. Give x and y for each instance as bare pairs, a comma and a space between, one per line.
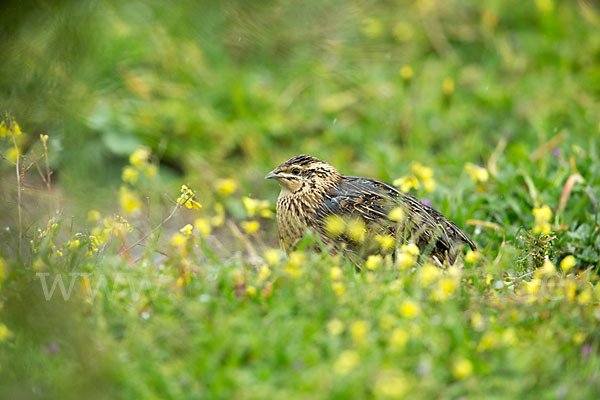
118, 282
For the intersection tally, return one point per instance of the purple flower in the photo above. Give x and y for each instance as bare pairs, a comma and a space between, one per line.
52, 348
587, 349
556, 151
426, 202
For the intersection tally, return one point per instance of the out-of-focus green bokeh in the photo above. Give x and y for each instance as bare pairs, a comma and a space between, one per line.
215, 86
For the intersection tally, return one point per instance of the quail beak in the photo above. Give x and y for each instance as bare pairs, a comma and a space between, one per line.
271, 175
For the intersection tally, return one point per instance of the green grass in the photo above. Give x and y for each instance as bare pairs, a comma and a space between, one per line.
219, 95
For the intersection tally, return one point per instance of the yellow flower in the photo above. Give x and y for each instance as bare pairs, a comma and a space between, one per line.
359, 331
472, 256
476, 173
13, 154
548, 268
338, 288
4, 130
335, 327
489, 340
335, 225
336, 273
567, 263
219, 217
542, 214
429, 185
544, 228
403, 32
373, 261
578, 337
130, 175
357, 230
405, 261
585, 297
187, 198
406, 183
140, 156
477, 321
347, 360
429, 273
5, 333
250, 226
264, 273
272, 256
297, 258
150, 170
462, 368
94, 216
226, 186
397, 214
187, 230
422, 171
448, 86
406, 72
16, 128
251, 291
410, 248
390, 385
44, 138
398, 338
444, 288
203, 226
130, 202
545, 6
385, 241
371, 27
409, 309
178, 240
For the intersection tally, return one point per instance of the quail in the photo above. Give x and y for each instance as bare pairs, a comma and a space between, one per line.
312, 191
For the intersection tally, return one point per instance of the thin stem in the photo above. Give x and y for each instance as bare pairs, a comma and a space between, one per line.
19, 183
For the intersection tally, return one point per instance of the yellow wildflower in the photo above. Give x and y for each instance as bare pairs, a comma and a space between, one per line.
444, 288
405, 261
338, 288
398, 338
219, 218
542, 214
585, 297
5, 333
472, 256
357, 230
263, 273
272, 256
13, 154
140, 156
422, 171
251, 291
335, 327
403, 31
409, 309
567, 263
203, 226
448, 86
16, 128
130, 175
373, 261
335, 225
187, 198
397, 214
544, 228
477, 321
489, 340
44, 138
359, 331
406, 183
429, 185
94, 216
4, 130
545, 6
130, 202
226, 186
371, 27
406, 72
178, 240
385, 241
391, 385
150, 170
462, 368
429, 273
410, 248
476, 173
250, 226
347, 360
297, 258
548, 268
187, 230
578, 337
336, 273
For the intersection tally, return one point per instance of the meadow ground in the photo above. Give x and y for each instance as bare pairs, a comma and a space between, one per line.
138, 251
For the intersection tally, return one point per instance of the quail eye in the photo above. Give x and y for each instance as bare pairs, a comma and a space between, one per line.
295, 171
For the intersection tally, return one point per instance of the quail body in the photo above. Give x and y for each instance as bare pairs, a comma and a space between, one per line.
312, 191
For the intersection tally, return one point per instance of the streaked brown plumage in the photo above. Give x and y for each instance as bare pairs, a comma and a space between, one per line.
312, 190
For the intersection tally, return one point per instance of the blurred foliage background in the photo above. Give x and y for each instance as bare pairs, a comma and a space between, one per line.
221, 92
